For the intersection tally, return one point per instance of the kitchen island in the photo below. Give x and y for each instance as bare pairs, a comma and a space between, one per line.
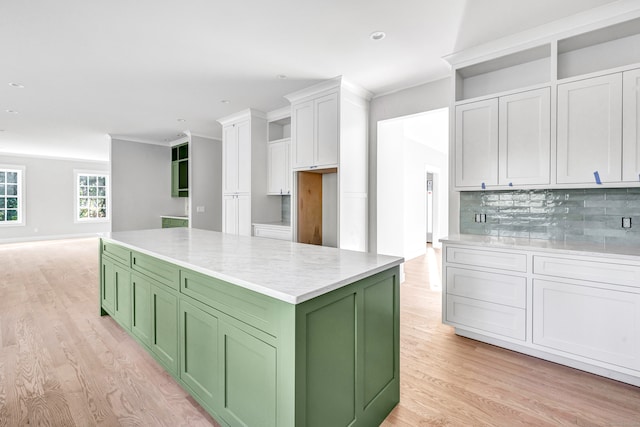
260, 332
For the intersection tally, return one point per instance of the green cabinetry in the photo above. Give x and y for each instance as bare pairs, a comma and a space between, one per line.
164, 326
253, 360
180, 170
168, 222
141, 308
116, 291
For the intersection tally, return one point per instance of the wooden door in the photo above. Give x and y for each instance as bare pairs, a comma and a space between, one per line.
164, 326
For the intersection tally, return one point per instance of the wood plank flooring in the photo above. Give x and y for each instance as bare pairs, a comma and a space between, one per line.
61, 364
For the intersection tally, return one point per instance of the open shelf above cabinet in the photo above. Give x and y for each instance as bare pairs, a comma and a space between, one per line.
520, 69
603, 49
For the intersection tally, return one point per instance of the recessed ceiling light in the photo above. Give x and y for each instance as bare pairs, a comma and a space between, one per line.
180, 134
377, 35
18, 85
11, 111
225, 101
181, 120
282, 76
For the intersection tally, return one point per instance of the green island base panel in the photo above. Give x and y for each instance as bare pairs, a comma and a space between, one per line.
254, 360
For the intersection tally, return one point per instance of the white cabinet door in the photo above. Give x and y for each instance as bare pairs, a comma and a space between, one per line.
631, 126
590, 130
236, 154
477, 144
279, 172
243, 132
326, 130
599, 324
230, 160
244, 214
302, 135
230, 214
525, 138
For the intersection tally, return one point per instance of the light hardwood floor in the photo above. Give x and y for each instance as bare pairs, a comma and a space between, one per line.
62, 364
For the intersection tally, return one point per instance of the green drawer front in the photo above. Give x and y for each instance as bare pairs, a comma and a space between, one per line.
116, 252
161, 271
174, 222
257, 310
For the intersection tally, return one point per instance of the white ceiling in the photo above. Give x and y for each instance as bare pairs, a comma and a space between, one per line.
130, 69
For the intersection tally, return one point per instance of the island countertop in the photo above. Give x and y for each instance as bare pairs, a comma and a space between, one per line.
288, 271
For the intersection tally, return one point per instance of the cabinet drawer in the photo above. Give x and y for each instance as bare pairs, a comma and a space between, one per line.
496, 318
161, 271
491, 287
256, 310
512, 261
117, 253
588, 321
589, 270
280, 233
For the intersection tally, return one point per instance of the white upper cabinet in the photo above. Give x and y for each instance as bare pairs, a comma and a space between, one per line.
236, 150
590, 130
278, 160
525, 138
631, 126
315, 128
477, 144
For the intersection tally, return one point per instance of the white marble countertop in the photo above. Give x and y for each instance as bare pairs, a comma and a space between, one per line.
288, 271
174, 216
593, 249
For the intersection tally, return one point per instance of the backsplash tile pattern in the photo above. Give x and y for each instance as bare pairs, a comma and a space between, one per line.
589, 215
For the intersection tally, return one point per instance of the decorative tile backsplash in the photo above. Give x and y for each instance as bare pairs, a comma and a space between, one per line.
591, 215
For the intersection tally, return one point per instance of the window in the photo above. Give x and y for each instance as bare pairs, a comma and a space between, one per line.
92, 197
11, 195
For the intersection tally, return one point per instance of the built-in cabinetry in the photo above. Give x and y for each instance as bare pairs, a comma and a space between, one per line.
180, 170
174, 221
560, 114
580, 309
244, 173
329, 137
278, 231
504, 141
279, 152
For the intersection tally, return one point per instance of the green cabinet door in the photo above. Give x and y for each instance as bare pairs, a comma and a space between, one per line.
141, 308
115, 291
248, 378
122, 307
199, 351
175, 178
164, 327
108, 286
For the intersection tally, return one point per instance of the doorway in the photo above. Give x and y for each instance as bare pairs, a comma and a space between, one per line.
413, 161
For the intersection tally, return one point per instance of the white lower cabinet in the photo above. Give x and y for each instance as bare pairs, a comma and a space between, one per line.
236, 214
588, 321
579, 309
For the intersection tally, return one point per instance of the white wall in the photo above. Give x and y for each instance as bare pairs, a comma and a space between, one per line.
141, 186
426, 97
408, 148
205, 182
50, 199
